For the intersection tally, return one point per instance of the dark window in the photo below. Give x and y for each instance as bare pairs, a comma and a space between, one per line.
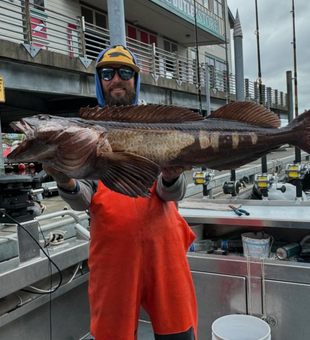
174, 48
167, 45
100, 20
88, 15
170, 47
37, 4
96, 37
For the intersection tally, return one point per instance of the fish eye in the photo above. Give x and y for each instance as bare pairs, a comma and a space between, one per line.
43, 117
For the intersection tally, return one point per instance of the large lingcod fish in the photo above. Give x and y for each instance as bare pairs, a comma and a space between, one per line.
125, 147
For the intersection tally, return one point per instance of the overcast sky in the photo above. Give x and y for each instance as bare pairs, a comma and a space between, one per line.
276, 49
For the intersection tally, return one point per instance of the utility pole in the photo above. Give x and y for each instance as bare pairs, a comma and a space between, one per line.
239, 70
197, 61
226, 57
117, 22
2, 100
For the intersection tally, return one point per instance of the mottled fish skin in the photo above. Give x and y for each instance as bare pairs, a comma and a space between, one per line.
228, 148
127, 152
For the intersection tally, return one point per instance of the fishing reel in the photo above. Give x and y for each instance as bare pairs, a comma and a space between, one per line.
233, 187
297, 171
203, 177
263, 182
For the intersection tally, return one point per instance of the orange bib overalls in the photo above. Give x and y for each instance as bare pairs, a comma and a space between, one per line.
138, 257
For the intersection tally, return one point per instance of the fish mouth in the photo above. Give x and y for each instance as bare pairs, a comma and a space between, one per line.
18, 153
22, 126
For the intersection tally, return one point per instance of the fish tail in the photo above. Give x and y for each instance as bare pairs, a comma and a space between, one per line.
300, 131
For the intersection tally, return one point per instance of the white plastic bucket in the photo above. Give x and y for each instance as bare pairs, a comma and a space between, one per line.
257, 245
240, 327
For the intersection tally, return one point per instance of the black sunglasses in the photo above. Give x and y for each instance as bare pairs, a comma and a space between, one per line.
107, 73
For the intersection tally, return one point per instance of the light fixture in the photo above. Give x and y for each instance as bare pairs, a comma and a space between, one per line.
188, 36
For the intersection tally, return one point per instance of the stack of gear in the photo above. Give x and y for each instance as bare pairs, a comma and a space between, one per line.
16, 199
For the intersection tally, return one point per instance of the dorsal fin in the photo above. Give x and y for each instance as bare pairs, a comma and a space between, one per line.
140, 114
247, 112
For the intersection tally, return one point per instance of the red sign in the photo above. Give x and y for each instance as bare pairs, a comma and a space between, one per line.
38, 30
71, 38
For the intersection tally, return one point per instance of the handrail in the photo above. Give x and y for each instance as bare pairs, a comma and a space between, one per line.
53, 31
71, 213
81, 232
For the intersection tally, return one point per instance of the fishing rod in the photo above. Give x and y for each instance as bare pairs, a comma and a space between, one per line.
260, 88
258, 57
228, 99
206, 174
297, 150
295, 59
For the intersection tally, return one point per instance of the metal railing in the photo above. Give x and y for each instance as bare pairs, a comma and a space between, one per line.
95, 40
12, 22
22, 21
27, 23
143, 53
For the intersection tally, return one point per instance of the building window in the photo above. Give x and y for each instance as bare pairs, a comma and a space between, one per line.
141, 53
218, 8
88, 15
132, 32
217, 69
170, 46
37, 2
100, 20
210, 61
96, 35
221, 66
93, 17
169, 60
193, 54
148, 38
204, 3
140, 35
218, 64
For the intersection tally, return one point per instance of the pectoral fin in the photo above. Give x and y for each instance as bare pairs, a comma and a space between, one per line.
128, 174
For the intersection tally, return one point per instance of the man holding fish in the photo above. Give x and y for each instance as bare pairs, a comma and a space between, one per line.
138, 245
138, 239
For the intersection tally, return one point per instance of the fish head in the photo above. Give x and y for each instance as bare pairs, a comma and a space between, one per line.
39, 130
55, 141
39, 126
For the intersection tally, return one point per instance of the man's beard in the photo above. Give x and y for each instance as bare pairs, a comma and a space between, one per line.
119, 99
